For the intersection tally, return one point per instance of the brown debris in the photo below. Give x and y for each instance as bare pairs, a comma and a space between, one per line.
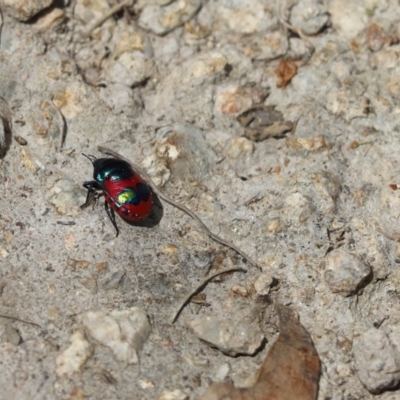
377, 38
291, 369
263, 122
285, 71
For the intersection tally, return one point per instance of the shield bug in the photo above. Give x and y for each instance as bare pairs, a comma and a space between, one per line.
125, 191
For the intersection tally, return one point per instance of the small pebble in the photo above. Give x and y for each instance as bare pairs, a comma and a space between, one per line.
4, 253
222, 372
230, 337
240, 290
20, 140
345, 272
263, 283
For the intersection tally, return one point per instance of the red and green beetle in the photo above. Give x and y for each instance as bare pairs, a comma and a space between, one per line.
124, 190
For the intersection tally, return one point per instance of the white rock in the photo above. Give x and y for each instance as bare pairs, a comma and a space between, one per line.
222, 372
123, 331
72, 359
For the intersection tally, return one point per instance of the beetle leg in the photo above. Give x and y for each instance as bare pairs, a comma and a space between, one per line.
92, 194
111, 215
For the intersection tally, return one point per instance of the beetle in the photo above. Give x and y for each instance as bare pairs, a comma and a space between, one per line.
125, 191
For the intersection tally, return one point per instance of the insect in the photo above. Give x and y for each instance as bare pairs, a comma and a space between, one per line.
125, 191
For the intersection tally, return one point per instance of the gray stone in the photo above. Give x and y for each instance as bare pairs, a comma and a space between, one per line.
310, 16
345, 272
377, 359
228, 336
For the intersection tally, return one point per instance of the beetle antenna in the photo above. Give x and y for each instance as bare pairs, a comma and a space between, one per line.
90, 157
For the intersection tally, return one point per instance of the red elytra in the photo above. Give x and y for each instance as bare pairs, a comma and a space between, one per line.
130, 198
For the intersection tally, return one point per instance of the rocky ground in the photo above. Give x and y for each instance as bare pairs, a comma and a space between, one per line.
277, 123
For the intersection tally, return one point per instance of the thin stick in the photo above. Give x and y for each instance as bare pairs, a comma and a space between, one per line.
62, 124
201, 286
118, 7
21, 320
183, 208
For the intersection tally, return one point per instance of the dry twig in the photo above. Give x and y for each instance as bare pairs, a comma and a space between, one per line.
201, 286
118, 7
21, 320
62, 125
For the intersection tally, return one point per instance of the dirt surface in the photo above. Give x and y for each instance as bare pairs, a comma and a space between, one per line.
276, 122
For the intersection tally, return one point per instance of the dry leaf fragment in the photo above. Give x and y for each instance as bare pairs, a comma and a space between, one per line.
285, 71
263, 122
291, 369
